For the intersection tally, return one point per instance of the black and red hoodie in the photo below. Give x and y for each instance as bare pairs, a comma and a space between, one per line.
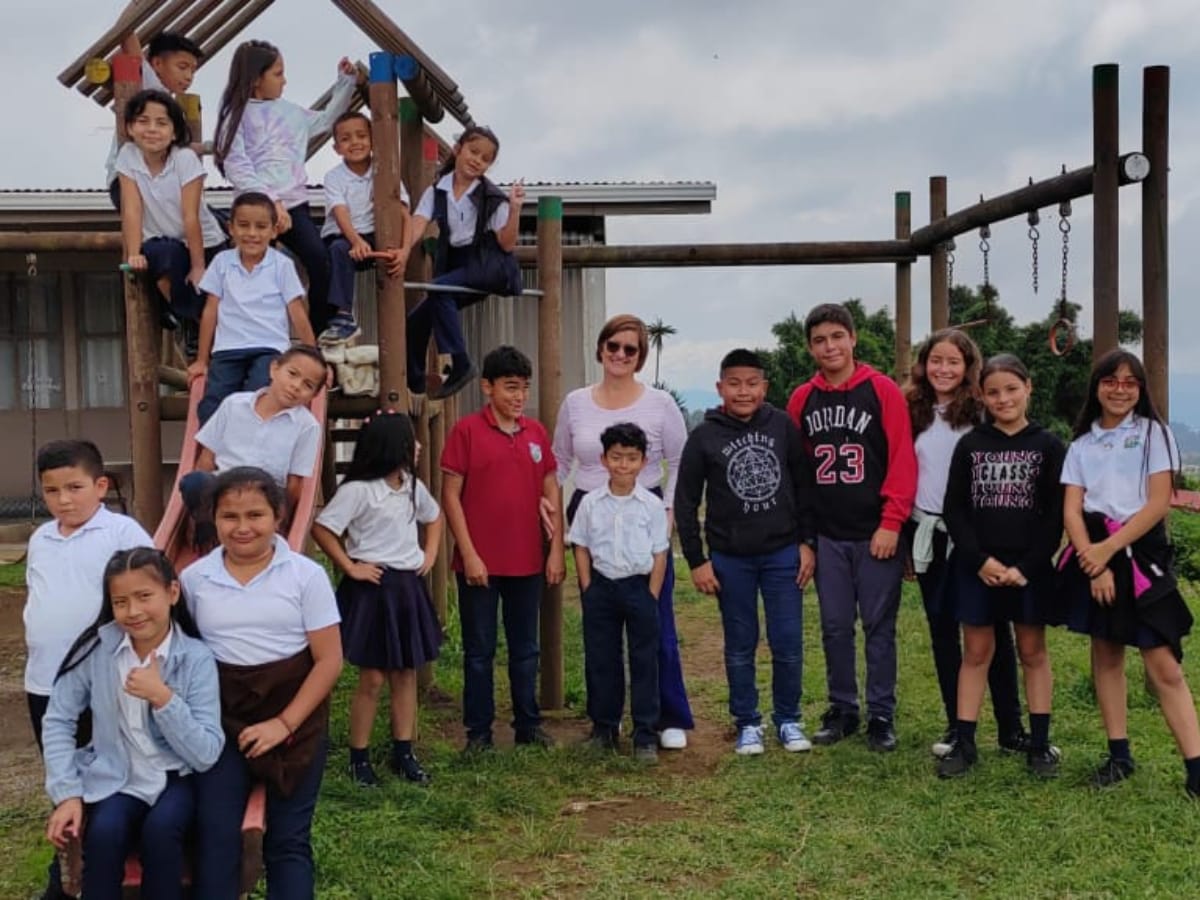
859, 438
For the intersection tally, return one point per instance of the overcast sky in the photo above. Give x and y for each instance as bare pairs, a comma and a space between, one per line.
808, 117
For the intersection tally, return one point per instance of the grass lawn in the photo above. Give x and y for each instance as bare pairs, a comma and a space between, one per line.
836, 822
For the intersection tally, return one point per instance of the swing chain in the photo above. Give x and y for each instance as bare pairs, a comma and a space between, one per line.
985, 248
950, 262
31, 264
1064, 226
1034, 235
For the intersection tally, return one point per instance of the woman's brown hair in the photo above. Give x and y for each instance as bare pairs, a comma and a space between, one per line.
625, 322
965, 408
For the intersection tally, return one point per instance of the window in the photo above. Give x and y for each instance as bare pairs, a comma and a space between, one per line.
101, 341
31, 344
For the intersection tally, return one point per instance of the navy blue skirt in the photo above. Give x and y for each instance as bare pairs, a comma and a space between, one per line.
977, 604
390, 625
1086, 616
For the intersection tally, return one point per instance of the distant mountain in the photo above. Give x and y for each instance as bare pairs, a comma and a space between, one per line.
1185, 399
698, 399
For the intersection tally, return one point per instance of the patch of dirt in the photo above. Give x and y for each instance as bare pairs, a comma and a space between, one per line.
598, 818
21, 779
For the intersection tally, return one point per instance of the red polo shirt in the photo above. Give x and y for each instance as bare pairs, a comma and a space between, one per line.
502, 485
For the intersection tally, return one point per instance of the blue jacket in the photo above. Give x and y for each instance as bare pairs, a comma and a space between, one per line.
188, 727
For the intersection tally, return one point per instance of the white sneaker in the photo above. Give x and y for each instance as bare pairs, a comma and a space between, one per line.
793, 738
672, 739
750, 741
943, 745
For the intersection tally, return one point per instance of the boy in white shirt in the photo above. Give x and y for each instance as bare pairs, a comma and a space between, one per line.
349, 228
621, 538
64, 571
254, 294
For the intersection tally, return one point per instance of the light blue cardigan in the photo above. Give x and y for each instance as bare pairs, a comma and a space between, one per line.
187, 728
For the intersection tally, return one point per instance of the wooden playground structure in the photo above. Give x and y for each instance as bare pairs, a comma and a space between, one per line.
407, 152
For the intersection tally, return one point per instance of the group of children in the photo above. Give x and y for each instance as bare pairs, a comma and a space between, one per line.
181, 690
237, 300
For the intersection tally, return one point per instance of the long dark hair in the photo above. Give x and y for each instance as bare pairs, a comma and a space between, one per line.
472, 131
1105, 366
965, 408
139, 558
137, 105
250, 61
386, 442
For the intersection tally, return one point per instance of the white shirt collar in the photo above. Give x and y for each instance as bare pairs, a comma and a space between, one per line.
1130, 421
446, 183
161, 651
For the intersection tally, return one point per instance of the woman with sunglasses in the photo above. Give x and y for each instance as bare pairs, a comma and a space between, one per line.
1119, 474
622, 349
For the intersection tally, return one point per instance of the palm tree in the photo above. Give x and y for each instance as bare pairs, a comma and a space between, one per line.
657, 330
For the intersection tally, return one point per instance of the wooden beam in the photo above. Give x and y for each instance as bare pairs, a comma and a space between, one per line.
939, 275
1156, 90
903, 204
1106, 226
420, 91
131, 16
672, 255
145, 29
549, 382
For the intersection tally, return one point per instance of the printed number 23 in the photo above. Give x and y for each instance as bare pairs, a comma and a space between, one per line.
827, 456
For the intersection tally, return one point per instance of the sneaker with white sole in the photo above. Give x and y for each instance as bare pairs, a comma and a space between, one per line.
672, 739
341, 329
943, 745
793, 738
750, 741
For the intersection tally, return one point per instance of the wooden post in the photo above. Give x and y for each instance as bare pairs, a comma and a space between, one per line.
424, 472
141, 345
441, 568
1156, 89
190, 104
903, 290
939, 278
1105, 208
389, 292
549, 240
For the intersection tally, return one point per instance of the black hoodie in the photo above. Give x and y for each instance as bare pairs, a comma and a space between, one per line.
758, 482
1003, 498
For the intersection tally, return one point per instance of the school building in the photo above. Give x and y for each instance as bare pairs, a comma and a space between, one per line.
62, 334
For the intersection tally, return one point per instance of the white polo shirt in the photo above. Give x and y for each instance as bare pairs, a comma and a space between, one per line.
253, 308
1108, 465
461, 212
285, 444
65, 577
148, 766
162, 194
621, 534
380, 522
344, 187
150, 81
267, 619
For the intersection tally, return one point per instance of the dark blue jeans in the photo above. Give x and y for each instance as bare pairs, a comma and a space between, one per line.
342, 270
230, 371
304, 240
478, 611
614, 609
118, 824
167, 256
852, 584
196, 490
741, 579
221, 794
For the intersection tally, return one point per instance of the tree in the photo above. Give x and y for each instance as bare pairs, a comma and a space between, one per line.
657, 330
1059, 382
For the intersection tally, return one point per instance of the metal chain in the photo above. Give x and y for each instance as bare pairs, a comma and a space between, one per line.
985, 247
950, 263
1034, 235
1064, 226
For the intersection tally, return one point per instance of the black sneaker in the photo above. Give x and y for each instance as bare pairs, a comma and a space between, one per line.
958, 761
478, 743
456, 379
1043, 762
363, 775
836, 724
1192, 786
1015, 742
602, 739
406, 765
646, 754
533, 737
1113, 770
881, 734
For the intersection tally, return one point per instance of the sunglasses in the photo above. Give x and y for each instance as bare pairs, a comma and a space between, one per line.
1111, 383
617, 348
